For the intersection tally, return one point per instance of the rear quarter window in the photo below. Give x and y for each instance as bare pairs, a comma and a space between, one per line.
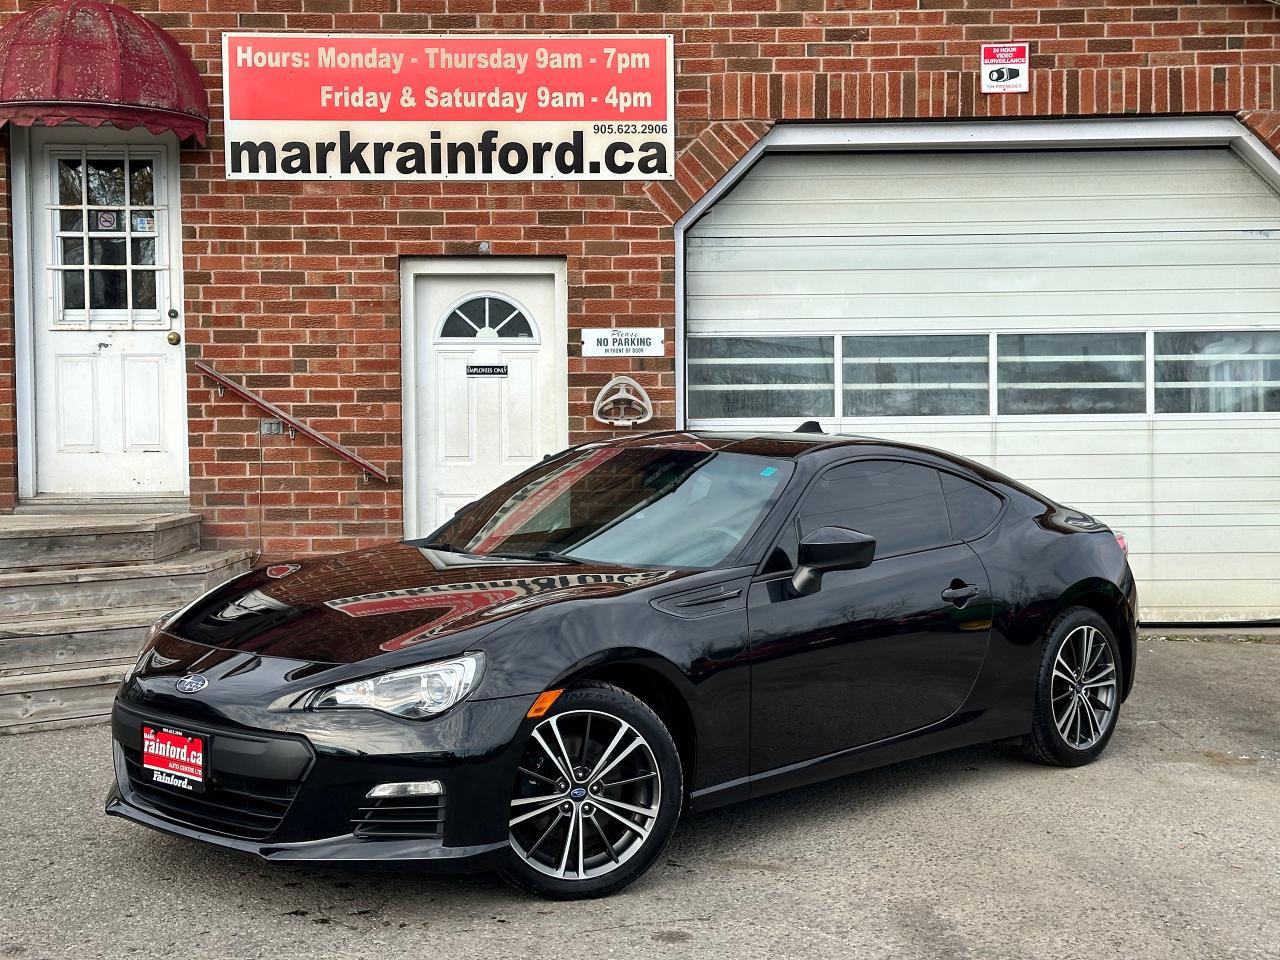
972, 508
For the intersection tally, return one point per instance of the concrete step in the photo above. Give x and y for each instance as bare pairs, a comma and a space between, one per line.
90, 591
47, 504
44, 646
60, 699
31, 541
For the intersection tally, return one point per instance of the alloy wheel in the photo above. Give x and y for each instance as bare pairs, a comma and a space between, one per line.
587, 794
1084, 687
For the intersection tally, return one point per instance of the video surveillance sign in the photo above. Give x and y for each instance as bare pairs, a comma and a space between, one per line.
1006, 68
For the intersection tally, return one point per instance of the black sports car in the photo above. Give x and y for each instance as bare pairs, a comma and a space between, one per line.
627, 630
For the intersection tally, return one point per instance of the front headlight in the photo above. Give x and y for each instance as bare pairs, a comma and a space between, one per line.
416, 693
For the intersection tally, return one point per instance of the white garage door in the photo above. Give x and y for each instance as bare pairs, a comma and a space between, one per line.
1104, 325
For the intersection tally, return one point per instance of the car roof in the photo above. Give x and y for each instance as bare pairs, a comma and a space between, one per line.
781, 445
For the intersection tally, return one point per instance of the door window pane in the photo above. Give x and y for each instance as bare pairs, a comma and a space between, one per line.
141, 188
105, 252
106, 289
106, 183
70, 183
144, 251
73, 289
72, 250
1071, 373
971, 507
106, 221
144, 290
915, 376
900, 504
70, 220
1218, 372
744, 377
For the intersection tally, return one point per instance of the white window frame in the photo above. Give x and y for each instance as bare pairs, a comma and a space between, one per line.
987, 135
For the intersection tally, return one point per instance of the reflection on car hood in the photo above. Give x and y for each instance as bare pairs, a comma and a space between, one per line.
353, 606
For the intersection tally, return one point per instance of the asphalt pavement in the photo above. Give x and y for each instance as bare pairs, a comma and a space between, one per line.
1169, 846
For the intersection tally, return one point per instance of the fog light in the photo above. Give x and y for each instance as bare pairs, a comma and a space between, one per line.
414, 788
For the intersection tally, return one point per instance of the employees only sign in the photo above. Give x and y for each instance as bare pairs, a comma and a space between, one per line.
467, 107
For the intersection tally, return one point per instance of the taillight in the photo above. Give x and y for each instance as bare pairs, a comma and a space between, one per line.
1123, 541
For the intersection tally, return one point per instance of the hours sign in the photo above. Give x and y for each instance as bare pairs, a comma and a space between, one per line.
386, 107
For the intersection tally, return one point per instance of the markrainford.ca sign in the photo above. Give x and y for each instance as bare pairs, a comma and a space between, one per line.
409, 107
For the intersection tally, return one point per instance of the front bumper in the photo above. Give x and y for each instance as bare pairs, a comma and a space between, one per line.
312, 771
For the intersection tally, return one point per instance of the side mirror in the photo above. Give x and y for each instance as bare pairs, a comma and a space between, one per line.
831, 548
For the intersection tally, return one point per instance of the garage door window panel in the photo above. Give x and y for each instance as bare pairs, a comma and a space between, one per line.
753, 377
1217, 372
900, 504
916, 376
1071, 374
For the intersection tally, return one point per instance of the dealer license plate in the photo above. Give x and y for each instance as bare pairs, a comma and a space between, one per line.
175, 759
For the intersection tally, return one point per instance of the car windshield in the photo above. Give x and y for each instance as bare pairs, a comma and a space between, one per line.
646, 506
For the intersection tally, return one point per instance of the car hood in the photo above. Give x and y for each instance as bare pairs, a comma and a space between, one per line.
353, 606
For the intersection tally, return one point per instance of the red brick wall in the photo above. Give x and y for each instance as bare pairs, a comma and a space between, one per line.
295, 287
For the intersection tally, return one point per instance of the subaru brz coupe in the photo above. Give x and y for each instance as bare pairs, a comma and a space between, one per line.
625, 631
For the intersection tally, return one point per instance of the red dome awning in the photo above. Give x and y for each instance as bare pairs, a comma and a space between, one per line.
95, 63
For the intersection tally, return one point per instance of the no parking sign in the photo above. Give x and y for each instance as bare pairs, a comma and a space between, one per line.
1006, 68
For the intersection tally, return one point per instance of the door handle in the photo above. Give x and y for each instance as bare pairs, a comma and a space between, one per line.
960, 592
174, 338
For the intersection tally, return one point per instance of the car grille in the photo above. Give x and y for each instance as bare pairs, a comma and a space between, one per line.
245, 807
402, 817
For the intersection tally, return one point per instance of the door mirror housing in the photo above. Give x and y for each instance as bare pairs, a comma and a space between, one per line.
831, 548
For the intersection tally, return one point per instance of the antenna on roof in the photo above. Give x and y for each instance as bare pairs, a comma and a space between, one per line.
809, 426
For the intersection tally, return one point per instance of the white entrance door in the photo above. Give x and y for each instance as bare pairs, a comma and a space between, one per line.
485, 379
108, 398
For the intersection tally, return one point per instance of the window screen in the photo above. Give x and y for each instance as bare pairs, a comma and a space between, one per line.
970, 506
900, 504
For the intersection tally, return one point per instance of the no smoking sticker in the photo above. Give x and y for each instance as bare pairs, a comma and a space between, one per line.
1006, 68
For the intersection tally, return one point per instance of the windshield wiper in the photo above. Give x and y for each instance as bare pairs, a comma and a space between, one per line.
551, 555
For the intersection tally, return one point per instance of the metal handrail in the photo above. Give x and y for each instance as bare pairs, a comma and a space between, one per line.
293, 423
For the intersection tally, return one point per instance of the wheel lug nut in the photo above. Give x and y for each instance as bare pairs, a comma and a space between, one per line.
566, 807
595, 788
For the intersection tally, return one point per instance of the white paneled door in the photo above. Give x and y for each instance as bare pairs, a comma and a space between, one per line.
108, 392
485, 380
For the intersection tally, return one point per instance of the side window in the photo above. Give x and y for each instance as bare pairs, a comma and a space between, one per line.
900, 504
972, 508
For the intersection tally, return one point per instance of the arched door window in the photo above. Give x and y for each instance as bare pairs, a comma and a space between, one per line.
487, 316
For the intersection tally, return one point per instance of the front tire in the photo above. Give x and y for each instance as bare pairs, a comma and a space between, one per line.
597, 795
1078, 693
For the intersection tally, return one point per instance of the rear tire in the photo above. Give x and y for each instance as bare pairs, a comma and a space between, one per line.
596, 798
1078, 692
